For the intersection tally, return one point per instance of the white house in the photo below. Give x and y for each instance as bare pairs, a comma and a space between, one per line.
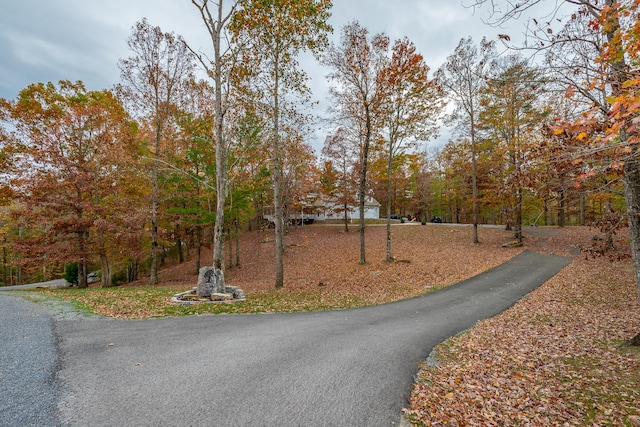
320, 207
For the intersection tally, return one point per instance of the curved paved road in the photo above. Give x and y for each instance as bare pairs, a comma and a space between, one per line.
337, 368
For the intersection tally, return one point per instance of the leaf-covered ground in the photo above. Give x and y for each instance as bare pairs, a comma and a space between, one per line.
552, 359
327, 257
322, 271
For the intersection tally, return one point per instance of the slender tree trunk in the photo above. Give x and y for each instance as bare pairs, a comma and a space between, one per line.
474, 182
632, 196
132, 270
179, 244
363, 181
4, 265
561, 208
277, 191
82, 263
389, 168
155, 201
346, 217
105, 263
198, 248
517, 228
237, 224
189, 245
230, 235
218, 227
345, 193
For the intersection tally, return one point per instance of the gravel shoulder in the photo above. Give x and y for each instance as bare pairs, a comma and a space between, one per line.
28, 364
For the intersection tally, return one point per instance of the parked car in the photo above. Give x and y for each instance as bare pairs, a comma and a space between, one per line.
436, 219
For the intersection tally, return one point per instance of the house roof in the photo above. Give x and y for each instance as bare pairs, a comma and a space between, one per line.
370, 201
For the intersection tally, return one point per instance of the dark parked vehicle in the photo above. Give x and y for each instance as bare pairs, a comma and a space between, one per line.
436, 219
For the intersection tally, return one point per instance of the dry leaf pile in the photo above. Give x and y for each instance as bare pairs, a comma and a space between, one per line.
552, 359
325, 260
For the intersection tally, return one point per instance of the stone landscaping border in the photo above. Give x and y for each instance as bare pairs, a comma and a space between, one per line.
232, 294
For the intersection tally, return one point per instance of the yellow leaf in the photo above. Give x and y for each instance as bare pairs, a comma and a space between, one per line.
448, 396
581, 136
558, 131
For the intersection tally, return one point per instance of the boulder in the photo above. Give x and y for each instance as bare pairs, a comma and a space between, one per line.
210, 281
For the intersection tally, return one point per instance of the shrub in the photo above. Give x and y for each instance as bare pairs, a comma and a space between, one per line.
71, 273
118, 278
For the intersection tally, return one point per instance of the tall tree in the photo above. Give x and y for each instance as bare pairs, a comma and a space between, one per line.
280, 31
221, 67
409, 108
340, 151
71, 151
356, 64
153, 79
511, 111
463, 77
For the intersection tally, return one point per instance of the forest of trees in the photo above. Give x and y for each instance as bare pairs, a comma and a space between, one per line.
165, 163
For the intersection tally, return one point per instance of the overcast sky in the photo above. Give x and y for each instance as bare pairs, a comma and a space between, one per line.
53, 40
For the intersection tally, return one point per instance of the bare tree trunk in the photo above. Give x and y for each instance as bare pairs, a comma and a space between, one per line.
198, 248
155, 201
179, 244
133, 269
4, 265
346, 217
237, 224
561, 208
218, 228
363, 181
632, 196
82, 263
474, 182
389, 167
277, 191
230, 235
517, 228
105, 263
105, 271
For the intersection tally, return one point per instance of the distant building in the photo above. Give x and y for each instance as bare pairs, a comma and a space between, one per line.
320, 207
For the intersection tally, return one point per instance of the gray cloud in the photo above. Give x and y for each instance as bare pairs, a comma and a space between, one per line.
42, 41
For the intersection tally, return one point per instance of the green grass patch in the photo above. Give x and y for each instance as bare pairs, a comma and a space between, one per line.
155, 301
596, 393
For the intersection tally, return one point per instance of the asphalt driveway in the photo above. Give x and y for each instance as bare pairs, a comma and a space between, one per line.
334, 368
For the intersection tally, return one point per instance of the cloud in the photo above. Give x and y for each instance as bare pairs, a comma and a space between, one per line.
42, 41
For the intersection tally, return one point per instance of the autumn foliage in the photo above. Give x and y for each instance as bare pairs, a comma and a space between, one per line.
552, 359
